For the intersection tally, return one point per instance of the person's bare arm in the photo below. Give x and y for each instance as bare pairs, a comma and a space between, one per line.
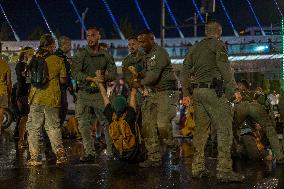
99, 82
63, 80
132, 100
103, 93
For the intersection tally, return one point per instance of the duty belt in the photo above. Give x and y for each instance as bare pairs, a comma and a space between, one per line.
154, 90
203, 85
89, 90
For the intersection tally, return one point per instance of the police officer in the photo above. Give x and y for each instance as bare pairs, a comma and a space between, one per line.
281, 107
133, 59
281, 111
89, 101
251, 108
159, 107
205, 68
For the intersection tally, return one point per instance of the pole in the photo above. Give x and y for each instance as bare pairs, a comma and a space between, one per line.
82, 26
282, 74
162, 29
195, 24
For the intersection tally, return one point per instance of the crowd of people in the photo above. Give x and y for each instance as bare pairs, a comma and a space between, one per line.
136, 110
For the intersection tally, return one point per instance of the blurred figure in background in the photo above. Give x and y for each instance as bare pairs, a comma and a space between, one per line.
63, 52
22, 93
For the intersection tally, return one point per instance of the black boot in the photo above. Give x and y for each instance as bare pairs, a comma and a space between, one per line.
200, 174
150, 163
230, 176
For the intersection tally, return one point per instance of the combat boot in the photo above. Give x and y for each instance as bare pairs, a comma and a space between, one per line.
61, 157
280, 161
175, 155
150, 163
88, 158
34, 161
230, 176
22, 144
200, 173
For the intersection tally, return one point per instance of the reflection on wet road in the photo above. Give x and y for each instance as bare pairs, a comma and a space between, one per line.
104, 173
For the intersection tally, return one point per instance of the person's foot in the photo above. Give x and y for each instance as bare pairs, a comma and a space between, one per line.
78, 136
280, 161
34, 162
61, 161
175, 156
22, 144
61, 157
200, 173
230, 177
100, 143
16, 135
150, 163
88, 158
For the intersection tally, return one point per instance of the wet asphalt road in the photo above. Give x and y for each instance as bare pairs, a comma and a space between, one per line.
104, 173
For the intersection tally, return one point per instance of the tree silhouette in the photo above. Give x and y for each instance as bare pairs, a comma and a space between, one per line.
36, 33
126, 28
5, 33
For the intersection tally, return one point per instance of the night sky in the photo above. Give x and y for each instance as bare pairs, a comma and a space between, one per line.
25, 16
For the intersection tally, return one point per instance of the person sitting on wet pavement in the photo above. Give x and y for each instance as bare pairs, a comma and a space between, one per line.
252, 143
122, 127
248, 107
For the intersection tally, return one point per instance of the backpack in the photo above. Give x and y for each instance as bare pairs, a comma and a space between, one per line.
38, 71
125, 142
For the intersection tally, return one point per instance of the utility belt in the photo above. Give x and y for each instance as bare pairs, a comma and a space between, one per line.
170, 86
88, 87
217, 84
90, 90
202, 85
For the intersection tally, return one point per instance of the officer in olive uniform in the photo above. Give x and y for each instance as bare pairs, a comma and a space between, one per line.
132, 68
206, 69
89, 101
134, 59
249, 107
159, 107
281, 107
281, 111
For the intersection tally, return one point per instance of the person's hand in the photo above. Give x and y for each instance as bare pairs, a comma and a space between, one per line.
89, 78
99, 76
135, 84
257, 127
237, 97
145, 92
186, 101
133, 71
